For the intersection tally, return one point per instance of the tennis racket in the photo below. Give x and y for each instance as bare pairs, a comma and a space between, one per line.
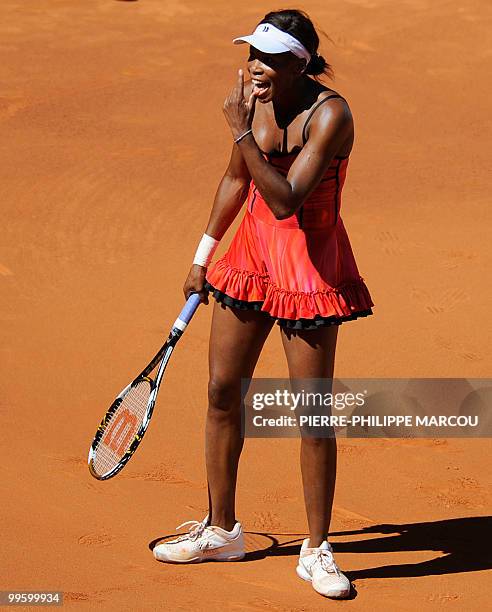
128, 417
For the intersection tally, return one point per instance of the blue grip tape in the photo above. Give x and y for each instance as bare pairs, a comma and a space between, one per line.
189, 308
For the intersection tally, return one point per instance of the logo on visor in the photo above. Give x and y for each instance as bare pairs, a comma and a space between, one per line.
265, 29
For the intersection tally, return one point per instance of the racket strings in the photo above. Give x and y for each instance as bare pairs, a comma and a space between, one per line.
121, 428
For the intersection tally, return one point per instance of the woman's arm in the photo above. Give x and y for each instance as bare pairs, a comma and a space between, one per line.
284, 195
230, 196
329, 129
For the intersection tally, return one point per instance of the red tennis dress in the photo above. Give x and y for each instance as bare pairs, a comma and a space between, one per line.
301, 270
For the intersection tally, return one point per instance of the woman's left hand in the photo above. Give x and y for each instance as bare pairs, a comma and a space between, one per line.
239, 112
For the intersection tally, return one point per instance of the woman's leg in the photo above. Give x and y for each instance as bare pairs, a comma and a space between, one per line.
311, 354
236, 340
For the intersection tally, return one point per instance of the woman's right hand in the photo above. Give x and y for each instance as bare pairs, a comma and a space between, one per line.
195, 283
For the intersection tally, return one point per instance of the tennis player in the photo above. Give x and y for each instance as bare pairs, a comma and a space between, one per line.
289, 262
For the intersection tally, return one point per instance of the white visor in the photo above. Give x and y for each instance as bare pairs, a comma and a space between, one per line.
269, 39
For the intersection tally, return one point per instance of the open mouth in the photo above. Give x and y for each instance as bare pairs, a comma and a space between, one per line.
260, 88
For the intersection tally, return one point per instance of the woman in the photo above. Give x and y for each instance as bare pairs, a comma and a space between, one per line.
290, 261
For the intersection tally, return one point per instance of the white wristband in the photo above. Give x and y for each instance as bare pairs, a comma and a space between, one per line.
205, 250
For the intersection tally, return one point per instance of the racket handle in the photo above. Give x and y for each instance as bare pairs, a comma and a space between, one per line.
188, 311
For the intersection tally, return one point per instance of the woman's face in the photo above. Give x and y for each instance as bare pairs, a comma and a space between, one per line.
272, 73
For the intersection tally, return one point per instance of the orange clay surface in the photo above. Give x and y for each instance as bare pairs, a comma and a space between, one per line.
113, 144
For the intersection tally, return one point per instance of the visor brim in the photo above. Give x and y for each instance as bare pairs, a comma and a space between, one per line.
262, 43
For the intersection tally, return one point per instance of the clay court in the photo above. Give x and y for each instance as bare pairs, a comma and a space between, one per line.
113, 144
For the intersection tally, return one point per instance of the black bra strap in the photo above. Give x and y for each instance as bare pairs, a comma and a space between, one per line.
312, 113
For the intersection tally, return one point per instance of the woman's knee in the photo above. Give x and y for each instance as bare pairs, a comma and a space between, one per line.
224, 395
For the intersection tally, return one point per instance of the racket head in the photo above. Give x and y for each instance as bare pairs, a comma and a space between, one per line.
122, 428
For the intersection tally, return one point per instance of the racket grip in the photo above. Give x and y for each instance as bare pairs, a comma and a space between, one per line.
188, 311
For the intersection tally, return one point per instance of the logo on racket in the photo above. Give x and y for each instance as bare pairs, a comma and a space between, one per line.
116, 438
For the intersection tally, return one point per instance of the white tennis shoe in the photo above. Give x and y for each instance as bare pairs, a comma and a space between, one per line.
203, 542
318, 566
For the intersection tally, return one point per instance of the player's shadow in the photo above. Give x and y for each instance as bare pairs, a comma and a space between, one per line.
464, 542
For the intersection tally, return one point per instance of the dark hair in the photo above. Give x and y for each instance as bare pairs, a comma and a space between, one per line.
298, 24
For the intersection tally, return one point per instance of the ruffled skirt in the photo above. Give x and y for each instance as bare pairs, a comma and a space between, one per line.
304, 279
